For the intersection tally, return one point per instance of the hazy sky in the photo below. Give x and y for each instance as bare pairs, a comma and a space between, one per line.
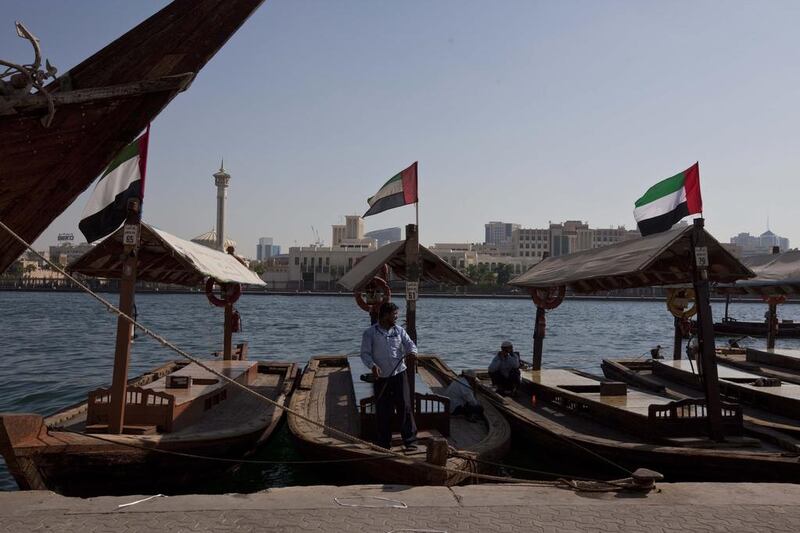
523, 112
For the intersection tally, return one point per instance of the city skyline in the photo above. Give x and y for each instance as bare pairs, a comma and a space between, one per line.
520, 111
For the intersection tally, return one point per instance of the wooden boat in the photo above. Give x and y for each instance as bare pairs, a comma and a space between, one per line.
612, 429
730, 327
70, 453
778, 363
330, 392
103, 446
58, 139
568, 414
766, 402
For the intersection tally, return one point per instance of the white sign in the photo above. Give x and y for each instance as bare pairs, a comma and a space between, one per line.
701, 256
412, 290
130, 235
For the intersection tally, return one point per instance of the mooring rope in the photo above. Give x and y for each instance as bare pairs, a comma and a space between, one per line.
342, 434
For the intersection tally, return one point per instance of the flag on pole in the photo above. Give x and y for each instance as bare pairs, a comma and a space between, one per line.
668, 201
122, 180
398, 191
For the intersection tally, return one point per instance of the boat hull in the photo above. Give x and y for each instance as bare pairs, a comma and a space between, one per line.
40, 456
573, 444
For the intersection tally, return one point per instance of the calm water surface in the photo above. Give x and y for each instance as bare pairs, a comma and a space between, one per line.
58, 346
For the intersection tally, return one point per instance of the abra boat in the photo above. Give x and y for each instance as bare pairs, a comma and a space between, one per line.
767, 403
568, 414
331, 390
331, 393
108, 445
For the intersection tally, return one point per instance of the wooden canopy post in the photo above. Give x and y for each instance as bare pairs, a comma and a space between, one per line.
122, 349
676, 348
772, 314
538, 338
413, 275
228, 332
705, 331
772, 323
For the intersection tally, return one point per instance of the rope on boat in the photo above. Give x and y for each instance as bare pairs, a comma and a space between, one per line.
335, 431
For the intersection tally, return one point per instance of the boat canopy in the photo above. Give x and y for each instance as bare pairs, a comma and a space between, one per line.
776, 274
393, 254
101, 105
164, 258
660, 259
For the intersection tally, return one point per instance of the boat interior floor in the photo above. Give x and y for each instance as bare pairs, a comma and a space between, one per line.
750, 414
739, 360
332, 401
572, 424
240, 413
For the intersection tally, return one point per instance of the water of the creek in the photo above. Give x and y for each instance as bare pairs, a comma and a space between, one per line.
58, 346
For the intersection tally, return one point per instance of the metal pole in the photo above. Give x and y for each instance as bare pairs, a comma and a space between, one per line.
122, 348
705, 335
676, 349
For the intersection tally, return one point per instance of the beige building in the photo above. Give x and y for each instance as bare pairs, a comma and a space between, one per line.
317, 267
566, 238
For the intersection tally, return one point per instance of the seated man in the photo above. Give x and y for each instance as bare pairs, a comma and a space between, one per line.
504, 369
462, 399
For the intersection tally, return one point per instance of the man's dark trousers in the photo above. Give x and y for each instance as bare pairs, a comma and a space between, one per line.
392, 395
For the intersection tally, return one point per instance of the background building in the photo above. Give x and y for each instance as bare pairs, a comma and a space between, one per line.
385, 236
265, 249
751, 245
566, 238
500, 235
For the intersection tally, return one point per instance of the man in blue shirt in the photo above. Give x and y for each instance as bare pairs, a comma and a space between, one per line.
384, 347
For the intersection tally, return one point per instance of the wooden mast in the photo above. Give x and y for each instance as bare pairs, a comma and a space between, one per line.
705, 331
412, 282
772, 314
538, 332
122, 349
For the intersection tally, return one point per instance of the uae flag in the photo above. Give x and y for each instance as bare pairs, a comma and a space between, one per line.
122, 180
668, 201
399, 190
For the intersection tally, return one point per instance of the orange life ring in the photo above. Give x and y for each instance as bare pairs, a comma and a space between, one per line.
230, 293
548, 298
377, 284
775, 299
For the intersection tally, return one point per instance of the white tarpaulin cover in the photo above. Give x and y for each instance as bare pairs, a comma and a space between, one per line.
165, 258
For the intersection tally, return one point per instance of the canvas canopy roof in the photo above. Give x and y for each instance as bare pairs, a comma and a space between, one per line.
775, 274
164, 258
660, 259
433, 267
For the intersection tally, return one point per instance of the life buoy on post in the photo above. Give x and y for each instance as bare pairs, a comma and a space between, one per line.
371, 302
681, 303
548, 298
775, 299
230, 293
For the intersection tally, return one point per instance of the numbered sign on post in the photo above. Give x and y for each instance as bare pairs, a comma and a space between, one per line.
701, 256
412, 290
130, 235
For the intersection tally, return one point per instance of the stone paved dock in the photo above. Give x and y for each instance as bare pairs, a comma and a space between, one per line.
383, 508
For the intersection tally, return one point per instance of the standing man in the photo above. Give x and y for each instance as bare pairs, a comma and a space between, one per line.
384, 347
504, 369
